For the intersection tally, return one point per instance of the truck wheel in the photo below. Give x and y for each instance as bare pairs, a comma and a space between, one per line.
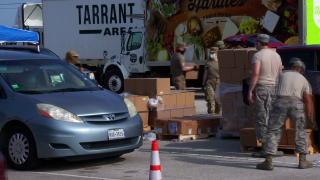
113, 81
20, 149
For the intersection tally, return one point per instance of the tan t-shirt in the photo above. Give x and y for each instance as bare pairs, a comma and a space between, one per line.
177, 64
293, 84
270, 63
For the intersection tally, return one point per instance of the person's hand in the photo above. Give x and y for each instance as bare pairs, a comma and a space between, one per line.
196, 67
314, 125
250, 98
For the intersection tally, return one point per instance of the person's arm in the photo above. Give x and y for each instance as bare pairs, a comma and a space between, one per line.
254, 76
307, 99
280, 70
188, 68
205, 77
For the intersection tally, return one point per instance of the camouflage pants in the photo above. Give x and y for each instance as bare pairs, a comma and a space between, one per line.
283, 109
212, 105
263, 97
179, 82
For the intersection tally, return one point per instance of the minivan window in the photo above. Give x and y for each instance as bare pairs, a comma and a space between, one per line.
44, 76
308, 57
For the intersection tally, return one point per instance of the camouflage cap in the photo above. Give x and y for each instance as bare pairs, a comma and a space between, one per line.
263, 38
220, 44
214, 50
296, 62
73, 53
182, 45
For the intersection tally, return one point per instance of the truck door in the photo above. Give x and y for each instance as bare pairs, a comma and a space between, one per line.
133, 55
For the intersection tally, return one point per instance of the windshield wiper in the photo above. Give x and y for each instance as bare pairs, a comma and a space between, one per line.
69, 89
30, 92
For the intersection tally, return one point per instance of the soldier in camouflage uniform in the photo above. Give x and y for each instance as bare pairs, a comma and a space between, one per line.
220, 45
266, 68
211, 82
294, 92
178, 67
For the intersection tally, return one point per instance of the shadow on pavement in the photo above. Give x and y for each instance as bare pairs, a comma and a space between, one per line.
87, 166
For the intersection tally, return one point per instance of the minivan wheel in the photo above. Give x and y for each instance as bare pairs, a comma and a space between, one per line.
20, 149
113, 81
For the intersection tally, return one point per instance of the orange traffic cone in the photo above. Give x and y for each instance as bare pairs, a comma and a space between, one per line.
155, 167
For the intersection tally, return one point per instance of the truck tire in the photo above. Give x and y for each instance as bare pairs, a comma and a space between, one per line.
113, 81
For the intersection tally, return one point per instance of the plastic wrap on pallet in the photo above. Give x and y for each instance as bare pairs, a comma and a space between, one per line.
225, 88
314, 79
124, 94
234, 124
153, 103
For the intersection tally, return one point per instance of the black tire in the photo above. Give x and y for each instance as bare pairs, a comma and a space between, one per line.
31, 160
113, 81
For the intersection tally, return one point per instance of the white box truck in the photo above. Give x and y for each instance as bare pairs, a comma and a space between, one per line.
92, 28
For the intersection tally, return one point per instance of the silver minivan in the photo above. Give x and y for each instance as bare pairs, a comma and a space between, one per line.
49, 109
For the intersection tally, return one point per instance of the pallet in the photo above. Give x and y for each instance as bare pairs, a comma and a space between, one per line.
288, 150
168, 137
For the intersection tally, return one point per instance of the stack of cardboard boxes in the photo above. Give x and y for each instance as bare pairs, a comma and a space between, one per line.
248, 136
170, 103
234, 66
188, 125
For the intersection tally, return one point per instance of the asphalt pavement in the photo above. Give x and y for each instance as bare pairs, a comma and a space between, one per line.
206, 159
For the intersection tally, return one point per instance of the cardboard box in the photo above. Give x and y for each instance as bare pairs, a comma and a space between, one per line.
227, 58
240, 110
241, 57
225, 75
250, 55
190, 99
191, 74
131, 98
181, 100
144, 117
141, 103
237, 75
310, 137
177, 112
155, 86
248, 138
169, 101
161, 126
228, 97
247, 73
182, 126
130, 86
189, 111
141, 88
227, 109
158, 114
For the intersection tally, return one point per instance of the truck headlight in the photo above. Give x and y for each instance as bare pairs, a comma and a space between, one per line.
57, 113
131, 108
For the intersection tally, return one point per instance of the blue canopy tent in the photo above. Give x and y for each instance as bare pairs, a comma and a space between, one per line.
8, 34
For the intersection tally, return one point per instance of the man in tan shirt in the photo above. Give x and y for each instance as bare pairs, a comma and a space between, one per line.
294, 93
266, 67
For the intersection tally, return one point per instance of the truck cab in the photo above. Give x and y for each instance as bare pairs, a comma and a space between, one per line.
309, 54
130, 61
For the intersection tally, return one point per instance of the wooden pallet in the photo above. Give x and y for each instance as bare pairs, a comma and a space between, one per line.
169, 137
288, 150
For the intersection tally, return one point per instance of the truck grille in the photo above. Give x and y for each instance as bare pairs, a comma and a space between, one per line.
110, 144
